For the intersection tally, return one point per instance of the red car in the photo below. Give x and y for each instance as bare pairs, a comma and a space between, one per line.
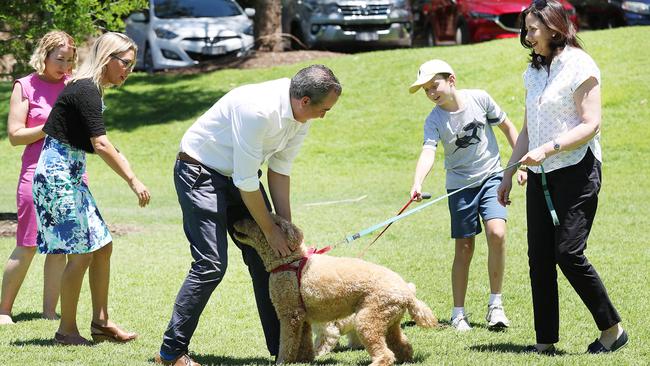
468, 21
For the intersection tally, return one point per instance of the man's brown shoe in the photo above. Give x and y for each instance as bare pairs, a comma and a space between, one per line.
182, 360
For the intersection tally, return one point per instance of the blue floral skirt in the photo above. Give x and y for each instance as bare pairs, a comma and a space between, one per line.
67, 216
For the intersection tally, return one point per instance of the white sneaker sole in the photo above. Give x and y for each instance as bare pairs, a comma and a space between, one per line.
498, 325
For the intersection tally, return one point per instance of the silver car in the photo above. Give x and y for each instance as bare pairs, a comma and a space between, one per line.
348, 22
181, 33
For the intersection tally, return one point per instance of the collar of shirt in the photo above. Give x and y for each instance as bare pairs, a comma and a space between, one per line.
286, 112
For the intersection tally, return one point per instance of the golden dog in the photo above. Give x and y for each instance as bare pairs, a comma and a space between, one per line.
333, 288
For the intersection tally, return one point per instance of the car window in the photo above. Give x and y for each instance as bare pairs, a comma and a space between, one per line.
195, 8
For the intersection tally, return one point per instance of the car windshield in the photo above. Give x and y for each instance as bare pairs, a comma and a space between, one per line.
195, 8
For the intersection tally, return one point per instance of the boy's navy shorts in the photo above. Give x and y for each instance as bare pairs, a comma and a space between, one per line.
466, 206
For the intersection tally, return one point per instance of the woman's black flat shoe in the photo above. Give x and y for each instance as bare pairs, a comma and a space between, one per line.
597, 347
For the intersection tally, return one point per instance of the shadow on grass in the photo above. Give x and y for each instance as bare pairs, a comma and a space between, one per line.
417, 359
43, 342
226, 360
128, 110
25, 317
446, 323
506, 348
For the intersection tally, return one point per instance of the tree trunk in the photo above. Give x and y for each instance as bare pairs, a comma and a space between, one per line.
268, 25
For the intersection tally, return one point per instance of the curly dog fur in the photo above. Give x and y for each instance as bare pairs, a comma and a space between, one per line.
334, 288
327, 334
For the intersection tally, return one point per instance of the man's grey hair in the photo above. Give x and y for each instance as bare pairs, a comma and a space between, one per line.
315, 82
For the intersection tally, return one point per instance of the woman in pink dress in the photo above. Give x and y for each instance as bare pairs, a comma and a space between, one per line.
31, 102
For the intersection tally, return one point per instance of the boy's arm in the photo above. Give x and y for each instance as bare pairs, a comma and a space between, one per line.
422, 169
510, 131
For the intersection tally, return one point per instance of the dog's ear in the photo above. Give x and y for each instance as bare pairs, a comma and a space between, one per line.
247, 231
293, 233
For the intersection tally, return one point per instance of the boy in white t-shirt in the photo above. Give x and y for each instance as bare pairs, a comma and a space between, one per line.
462, 121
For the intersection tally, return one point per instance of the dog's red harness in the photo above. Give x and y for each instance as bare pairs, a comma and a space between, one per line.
298, 265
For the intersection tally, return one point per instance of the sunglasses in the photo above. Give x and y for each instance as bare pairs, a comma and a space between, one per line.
127, 64
539, 4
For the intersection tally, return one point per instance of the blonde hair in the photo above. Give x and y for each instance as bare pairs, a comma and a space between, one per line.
46, 45
107, 45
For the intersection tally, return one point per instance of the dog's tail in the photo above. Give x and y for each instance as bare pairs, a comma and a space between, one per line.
422, 314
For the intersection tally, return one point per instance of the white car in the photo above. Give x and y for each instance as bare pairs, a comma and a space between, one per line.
181, 33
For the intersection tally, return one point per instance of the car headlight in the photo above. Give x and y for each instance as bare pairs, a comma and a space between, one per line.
475, 14
248, 30
164, 33
636, 7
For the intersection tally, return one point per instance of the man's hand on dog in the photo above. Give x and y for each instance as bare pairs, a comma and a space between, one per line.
278, 241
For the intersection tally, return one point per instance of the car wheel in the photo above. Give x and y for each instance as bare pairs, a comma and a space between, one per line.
462, 34
147, 60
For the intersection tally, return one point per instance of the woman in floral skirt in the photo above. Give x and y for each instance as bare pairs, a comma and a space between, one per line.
69, 221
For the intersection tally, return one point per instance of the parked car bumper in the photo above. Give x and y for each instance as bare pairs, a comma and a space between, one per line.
351, 24
484, 27
637, 12
487, 29
637, 19
391, 34
169, 54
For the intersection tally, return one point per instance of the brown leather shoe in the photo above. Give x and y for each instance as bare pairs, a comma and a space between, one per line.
110, 334
182, 360
70, 340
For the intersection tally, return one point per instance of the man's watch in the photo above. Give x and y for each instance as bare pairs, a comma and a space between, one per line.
556, 146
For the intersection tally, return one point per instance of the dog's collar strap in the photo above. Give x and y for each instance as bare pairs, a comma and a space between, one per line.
298, 265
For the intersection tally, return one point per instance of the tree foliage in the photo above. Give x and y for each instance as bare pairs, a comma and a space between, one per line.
24, 22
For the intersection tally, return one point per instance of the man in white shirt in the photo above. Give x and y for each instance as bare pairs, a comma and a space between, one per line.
217, 182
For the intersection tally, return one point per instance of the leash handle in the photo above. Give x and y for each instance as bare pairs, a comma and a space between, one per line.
363, 252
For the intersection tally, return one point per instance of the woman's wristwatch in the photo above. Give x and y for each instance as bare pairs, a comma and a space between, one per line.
556, 146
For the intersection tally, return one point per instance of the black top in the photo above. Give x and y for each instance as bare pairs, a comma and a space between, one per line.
77, 115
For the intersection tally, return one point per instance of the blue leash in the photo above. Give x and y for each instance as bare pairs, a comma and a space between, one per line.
367, 231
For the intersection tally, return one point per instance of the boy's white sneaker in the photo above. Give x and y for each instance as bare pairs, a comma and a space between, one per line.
496, 317
461, 323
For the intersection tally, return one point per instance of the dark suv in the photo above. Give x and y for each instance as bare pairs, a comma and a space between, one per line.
334, 23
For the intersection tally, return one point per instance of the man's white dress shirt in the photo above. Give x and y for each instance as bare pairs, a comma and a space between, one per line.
249, 125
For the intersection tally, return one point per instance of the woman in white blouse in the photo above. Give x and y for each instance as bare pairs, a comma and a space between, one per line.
560, 145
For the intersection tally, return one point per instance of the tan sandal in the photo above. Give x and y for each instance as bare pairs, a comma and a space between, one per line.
110, 334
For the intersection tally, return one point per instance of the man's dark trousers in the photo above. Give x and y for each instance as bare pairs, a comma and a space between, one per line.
211, 203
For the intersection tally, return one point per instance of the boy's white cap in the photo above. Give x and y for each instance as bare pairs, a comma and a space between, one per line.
427, 71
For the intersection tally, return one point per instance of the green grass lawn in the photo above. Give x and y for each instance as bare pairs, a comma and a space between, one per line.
367, 145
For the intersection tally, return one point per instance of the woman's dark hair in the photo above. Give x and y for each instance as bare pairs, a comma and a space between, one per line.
553, 15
